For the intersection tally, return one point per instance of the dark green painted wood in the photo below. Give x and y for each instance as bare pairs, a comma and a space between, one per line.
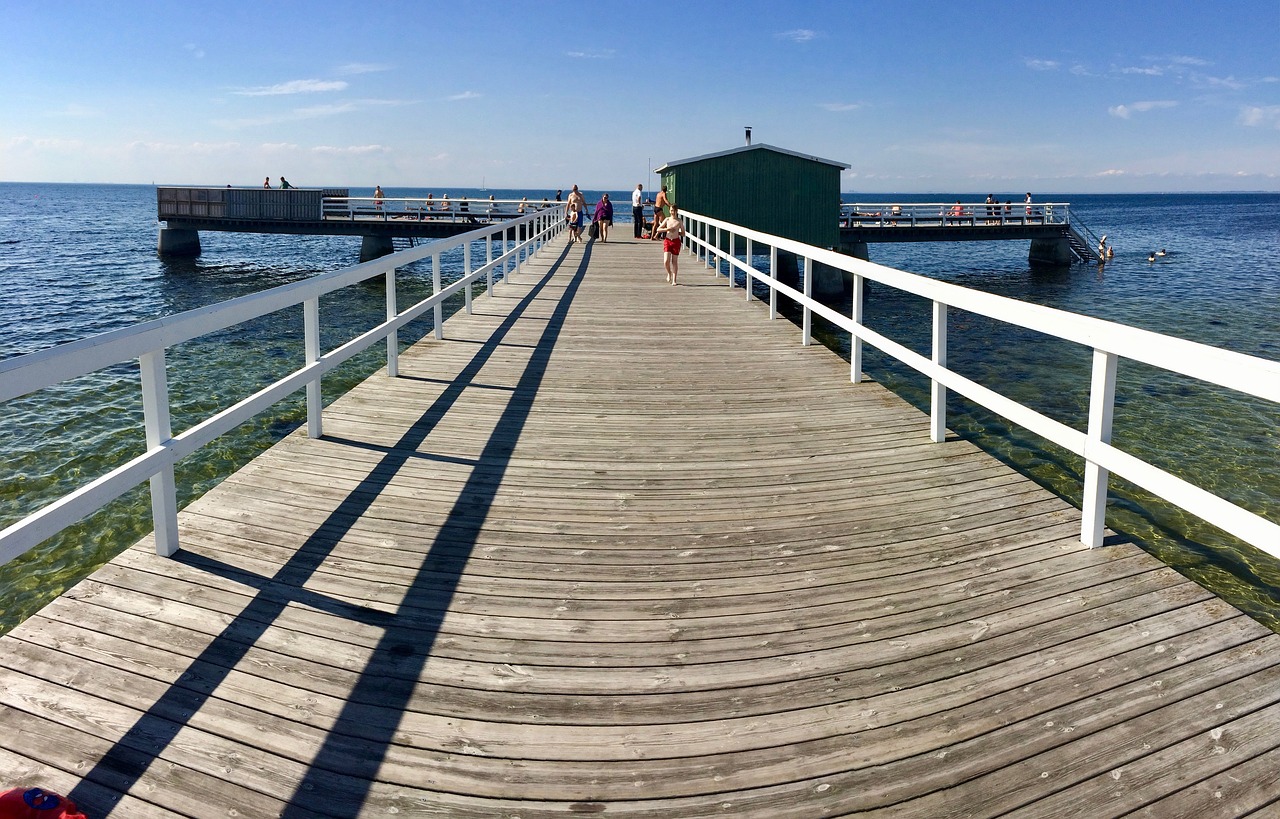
764, 189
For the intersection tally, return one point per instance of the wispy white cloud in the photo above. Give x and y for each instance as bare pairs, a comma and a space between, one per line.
77, 111
294, 87
350, 150
840, 106
798, 35
361, 68
1041, 65
1229, 83
601, 54
465, 95
1126, 111
1260, 116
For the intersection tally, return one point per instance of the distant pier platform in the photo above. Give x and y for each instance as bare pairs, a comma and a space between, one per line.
320, 212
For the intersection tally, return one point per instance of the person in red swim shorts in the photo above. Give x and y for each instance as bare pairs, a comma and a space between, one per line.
672, 230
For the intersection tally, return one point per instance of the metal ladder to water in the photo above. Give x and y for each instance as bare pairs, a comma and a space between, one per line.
1083, 243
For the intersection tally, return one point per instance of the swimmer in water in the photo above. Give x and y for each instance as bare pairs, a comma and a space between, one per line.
1161, 252
1151, 257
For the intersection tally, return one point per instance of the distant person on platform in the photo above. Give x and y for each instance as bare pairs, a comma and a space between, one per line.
637, 211
659, 212
559, 196
284, 184
672, 230
604, 216
377, 196
266, 182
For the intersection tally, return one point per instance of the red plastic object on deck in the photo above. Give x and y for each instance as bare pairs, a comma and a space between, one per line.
36, 803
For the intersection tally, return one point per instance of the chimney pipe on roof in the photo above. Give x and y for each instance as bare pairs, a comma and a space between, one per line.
748, 134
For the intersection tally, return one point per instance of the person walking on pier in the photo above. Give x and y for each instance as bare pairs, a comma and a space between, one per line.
672, 229
637, 210
604, 216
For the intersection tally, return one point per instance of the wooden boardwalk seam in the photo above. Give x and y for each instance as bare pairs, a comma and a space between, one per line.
624, 548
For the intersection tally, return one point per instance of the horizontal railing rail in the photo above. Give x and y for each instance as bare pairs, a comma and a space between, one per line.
422, 209
147, 343
952, 214
710, 240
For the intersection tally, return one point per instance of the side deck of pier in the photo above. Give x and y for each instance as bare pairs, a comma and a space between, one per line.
624, 548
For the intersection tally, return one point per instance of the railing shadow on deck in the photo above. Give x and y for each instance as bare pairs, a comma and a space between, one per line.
342, 771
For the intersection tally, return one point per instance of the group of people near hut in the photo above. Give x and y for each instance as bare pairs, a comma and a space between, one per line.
666, 226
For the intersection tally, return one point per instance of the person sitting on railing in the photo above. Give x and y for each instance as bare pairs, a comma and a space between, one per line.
444, 203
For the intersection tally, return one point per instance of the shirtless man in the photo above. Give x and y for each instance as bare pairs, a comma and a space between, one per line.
658, 212
575, 208
672, 230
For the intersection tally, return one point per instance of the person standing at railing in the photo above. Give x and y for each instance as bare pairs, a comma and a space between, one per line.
672, 231
284, 184
266, 183
637, 211
377, 196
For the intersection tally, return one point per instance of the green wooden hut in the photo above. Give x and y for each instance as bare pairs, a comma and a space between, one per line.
769, 189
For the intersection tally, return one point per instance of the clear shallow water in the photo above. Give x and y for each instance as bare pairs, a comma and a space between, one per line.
77, 260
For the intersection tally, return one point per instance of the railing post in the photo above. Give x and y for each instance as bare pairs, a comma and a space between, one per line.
773, 277
466, 274
311, 350
807, 333
1102, 398
393, 338
855, 343
750, 265
732, 283
488, 260
938, 391
438, 310
155, 412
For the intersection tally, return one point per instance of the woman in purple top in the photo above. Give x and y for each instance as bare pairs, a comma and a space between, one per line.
604, 216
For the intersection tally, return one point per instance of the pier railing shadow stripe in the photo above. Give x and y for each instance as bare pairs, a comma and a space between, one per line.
338, 779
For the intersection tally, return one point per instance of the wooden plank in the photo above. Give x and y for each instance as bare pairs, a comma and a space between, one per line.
615, 546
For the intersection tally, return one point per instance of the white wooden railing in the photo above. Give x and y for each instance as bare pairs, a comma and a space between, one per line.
710, 240
952, 214
420, 209
147, 343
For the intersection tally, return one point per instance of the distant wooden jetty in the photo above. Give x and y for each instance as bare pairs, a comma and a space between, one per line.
378, 221
615, 547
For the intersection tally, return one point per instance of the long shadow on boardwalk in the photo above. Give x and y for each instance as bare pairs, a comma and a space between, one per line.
341, 773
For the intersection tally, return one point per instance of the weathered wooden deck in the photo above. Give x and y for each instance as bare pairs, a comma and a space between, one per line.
625, 548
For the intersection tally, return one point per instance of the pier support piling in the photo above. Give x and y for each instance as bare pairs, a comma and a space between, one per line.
178, 242
1056, 251
375, 247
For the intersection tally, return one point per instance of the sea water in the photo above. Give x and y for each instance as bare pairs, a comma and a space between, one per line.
76, 260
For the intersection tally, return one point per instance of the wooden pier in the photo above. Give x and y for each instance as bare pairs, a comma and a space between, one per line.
617, 547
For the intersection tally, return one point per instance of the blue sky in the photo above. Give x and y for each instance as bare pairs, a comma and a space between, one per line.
976, 96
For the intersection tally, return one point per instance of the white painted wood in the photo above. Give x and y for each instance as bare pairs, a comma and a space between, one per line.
148, 341
158, 427
1102, 398
393, 336
1247, 374
938, 390
311, 345
855, 343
